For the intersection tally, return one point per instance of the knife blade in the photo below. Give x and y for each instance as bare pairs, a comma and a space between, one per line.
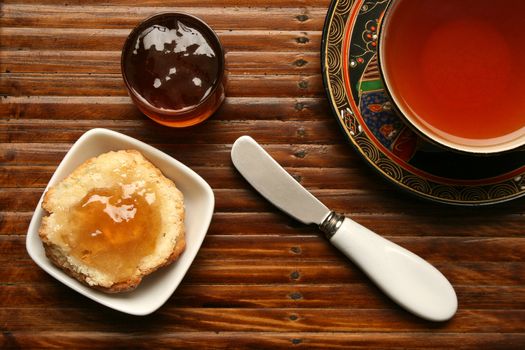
275, 184
409, 280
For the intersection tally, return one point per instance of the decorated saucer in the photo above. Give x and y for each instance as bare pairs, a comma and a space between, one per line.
365, 112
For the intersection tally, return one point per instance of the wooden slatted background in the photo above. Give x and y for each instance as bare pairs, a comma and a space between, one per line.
260, 280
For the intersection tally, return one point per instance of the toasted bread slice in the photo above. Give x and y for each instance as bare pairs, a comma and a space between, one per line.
112, 221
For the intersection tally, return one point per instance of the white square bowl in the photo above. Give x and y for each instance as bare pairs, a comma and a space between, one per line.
199, 201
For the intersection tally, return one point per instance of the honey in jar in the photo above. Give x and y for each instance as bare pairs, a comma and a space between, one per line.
173, 67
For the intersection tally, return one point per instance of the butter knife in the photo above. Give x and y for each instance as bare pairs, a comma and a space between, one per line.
409, 280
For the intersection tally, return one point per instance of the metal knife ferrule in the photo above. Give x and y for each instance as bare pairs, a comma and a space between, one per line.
331, 224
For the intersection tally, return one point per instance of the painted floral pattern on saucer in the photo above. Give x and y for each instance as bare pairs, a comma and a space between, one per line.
366, 115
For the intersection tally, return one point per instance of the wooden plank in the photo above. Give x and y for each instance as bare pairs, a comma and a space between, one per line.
113, 39
121, 108
435, 249
26, 176
315, 248
217, 177
108, 62
241, 272
439, 222
33, 153
213, 131
213, 155
262, 340
175, 319
341, 296
307, 272
219, 18
192, 3
113, 85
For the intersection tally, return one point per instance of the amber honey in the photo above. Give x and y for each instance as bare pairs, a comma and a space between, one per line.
112, 229
173, 67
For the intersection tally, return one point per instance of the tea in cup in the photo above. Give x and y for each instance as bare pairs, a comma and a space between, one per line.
456, 71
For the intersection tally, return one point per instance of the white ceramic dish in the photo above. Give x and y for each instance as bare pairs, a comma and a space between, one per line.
199, 201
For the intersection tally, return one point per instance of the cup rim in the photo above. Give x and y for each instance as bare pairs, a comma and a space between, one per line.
164, 111
419, 127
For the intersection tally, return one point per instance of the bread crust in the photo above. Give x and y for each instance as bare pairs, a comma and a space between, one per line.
58, 254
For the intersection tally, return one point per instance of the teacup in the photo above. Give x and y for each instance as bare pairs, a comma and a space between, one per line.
173, 68
456, 71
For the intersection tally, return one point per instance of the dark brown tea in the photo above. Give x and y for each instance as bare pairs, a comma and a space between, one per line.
173, 67
458, 68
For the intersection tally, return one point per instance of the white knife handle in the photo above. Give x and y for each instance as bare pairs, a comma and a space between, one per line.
409, 280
